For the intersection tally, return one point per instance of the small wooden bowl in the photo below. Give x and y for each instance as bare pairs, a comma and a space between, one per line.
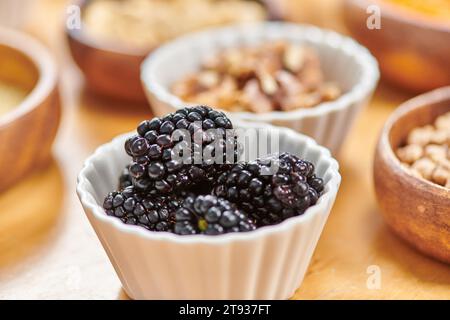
413, 52
27, 131
416, 209
111, 70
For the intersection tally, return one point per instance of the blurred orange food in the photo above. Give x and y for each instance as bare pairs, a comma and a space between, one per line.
436, 9
412, 44
414, 69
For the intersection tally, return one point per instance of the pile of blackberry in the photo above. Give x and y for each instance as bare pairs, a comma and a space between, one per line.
207, 214
189, 133
212, 196
271, 189
153, 212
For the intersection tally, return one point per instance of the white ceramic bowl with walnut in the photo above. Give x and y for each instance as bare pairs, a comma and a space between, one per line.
342, 60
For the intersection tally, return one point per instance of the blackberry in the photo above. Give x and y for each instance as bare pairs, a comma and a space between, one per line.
125, 178
271, 197
169, 153
210, 215
153, 212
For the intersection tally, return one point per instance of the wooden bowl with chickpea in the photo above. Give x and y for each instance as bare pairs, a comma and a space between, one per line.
412, 173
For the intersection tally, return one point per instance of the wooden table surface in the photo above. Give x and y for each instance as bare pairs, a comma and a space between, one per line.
48, 250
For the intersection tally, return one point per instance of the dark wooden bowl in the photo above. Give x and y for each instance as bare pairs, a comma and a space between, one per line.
413, 52
416, 209
27, 132
112, 70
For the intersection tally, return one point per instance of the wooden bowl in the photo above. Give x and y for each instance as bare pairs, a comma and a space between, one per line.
413, 52
111, 70
28, 130
416, 209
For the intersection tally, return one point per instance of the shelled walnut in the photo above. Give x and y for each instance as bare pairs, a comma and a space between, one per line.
261, 78
427, 152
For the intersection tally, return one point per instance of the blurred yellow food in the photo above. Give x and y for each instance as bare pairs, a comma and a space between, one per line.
148, 23
10, 96
437, 9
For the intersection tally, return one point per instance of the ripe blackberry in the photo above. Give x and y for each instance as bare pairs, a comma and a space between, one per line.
184, 135
155, 213
210, 215
271, 197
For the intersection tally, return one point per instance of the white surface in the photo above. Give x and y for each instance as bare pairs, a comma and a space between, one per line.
268, 263
343, 60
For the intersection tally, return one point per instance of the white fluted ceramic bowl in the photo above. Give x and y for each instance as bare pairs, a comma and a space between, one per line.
268, 263
343, 61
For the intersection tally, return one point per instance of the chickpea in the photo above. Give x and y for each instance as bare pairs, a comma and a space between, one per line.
443, 122
425, 167
421, 136
440, 176
410, 153
436, 152
427, 153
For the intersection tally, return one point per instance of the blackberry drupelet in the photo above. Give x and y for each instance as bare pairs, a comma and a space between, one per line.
271, 197
153, 212
210, 215
125, 178
160, 140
